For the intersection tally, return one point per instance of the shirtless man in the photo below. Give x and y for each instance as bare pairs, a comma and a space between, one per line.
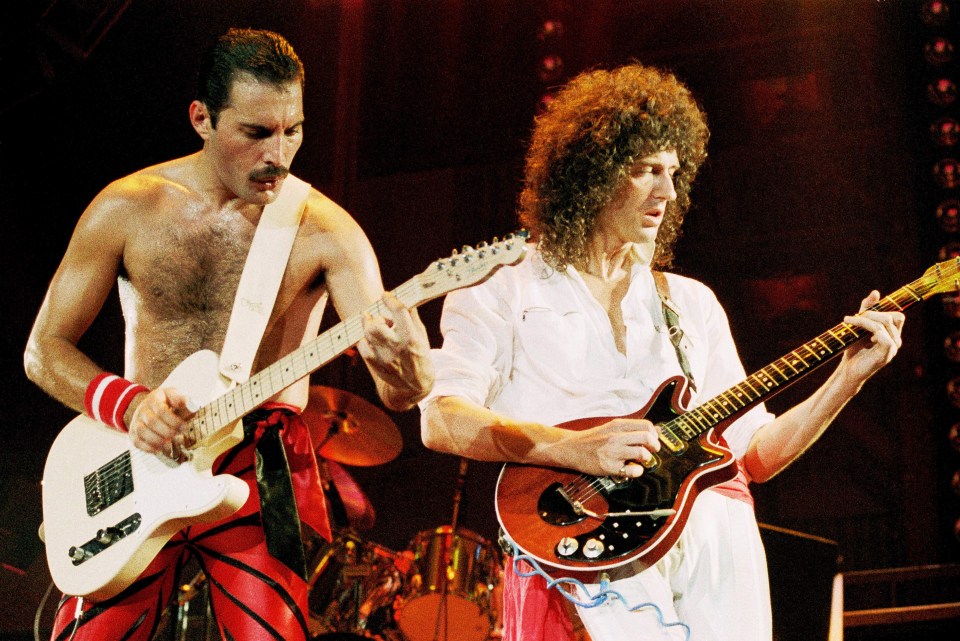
176, 237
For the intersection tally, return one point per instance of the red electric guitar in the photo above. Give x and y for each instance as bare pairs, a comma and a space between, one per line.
579, 522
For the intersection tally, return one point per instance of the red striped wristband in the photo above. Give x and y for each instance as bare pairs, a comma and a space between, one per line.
108, 397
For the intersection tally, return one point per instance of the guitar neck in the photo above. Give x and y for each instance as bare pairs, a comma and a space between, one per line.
309, 357
442, 276
776, 376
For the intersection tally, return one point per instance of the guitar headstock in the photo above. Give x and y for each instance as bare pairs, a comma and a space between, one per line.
472, 265
942, 278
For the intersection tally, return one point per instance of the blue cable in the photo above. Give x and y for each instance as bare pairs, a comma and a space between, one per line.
599, 598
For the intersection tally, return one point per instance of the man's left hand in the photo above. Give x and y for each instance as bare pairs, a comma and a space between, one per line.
397, 351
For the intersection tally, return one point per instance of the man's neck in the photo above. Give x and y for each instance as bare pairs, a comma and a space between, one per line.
616, 264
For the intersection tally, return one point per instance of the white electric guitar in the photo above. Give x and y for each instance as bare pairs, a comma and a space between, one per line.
109, 507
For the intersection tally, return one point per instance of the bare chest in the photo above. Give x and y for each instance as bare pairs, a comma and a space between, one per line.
188, 270
610, 297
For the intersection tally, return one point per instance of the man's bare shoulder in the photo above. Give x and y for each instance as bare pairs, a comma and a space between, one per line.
153, 189
336, 231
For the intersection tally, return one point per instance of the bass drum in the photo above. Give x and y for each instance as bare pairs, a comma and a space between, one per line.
450, 596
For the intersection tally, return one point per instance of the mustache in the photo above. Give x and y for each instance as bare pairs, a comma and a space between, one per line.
270, 172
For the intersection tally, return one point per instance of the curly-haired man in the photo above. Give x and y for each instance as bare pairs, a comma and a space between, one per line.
579, 329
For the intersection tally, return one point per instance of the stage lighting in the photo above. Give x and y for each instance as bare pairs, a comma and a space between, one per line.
954, 436
951, 346
549, 29
953, 390
942, 92
935, 13
938, 51
945, 132
947, 173
551, 69
948, 215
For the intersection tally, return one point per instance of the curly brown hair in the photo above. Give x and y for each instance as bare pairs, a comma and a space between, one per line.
584, 144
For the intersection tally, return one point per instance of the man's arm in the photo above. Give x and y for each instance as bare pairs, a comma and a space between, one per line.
457, 426
76, 294
783, 440
396, 349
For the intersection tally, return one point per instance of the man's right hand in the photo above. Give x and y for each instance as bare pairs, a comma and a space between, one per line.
159, 422
616, 448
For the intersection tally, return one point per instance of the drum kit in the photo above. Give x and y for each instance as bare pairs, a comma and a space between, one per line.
446, 586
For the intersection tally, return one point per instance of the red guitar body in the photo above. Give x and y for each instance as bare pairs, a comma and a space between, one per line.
538, 506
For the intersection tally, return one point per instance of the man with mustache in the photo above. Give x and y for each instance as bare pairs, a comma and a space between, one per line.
175, 236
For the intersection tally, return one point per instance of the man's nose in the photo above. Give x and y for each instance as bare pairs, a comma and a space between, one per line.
665, 187
275, 151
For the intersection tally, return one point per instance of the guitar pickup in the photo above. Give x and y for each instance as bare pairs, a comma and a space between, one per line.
671, 441
104, 539
108, 484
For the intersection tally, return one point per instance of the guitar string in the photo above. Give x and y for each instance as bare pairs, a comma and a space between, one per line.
207, 421
355, 324
593, 485
718, 409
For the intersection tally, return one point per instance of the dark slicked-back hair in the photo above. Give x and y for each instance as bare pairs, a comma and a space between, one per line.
265, 55
584, 144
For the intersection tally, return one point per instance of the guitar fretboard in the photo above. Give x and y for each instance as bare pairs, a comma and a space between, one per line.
270, 381
459, 270
776, 376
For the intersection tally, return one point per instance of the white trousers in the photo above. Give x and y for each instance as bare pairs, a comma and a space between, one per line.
714, 580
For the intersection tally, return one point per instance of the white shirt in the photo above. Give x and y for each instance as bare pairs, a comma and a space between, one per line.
535, 345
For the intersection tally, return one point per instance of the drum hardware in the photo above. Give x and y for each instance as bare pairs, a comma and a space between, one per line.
348, 506
450, 598
188, 616
353, 587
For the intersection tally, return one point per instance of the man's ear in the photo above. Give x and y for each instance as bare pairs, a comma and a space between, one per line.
200, 119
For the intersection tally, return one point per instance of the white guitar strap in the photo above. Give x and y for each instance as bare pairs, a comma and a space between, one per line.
260, 280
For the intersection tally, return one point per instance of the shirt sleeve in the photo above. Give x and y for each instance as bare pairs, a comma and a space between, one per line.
477, 345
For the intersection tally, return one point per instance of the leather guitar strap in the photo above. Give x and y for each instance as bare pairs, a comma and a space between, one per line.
671, 315
256, 294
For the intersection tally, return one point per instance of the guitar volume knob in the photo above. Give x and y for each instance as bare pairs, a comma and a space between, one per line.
592, 548
567, 546
106, 536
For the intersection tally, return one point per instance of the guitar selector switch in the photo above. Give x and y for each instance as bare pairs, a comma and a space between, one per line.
567, 546
592, 548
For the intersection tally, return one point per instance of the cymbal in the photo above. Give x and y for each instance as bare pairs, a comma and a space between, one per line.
347, 429
357, 507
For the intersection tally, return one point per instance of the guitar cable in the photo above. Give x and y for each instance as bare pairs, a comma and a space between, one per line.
78, 614
36, 617
599, 598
